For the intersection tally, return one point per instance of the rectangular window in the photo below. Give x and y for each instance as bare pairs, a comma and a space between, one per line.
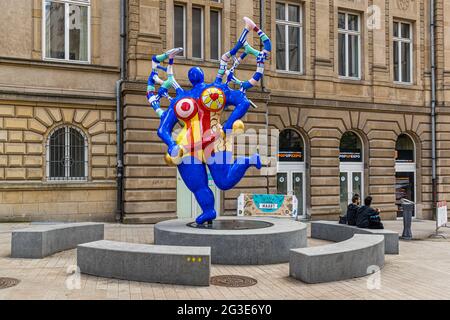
349, 45
67, 30
215, 29
289, 33
189, 30
402, 52
180, 28
197, 33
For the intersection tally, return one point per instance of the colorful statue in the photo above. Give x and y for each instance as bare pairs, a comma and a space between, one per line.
203, 139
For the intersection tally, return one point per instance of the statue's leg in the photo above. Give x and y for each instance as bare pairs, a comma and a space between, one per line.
196, 179
227, 173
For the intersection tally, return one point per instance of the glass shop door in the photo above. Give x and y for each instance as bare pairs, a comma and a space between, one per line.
351, 183
291, 181
187, 206
404, 188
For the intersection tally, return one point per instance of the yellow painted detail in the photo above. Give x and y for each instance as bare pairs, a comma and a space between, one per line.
238, 127
213, 98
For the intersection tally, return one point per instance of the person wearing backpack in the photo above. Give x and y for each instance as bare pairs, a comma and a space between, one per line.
368, 217
352, 209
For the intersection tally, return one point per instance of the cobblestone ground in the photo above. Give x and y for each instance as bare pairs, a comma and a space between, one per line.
421, 271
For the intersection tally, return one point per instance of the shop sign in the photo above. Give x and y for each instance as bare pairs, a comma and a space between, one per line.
347, 155
442, 217
290, 156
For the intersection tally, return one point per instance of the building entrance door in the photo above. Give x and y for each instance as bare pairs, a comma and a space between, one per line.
291, 181
405, 187
405, 172
187, 206
351, 169
291, 173
351, 183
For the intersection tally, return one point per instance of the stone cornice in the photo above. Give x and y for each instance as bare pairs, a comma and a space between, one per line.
275, 98
36, 98
39, 185
59, 65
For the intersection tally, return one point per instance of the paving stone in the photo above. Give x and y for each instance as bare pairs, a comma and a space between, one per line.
420, 271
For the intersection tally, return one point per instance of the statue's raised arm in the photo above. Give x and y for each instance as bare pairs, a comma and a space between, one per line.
154, 97
261, 57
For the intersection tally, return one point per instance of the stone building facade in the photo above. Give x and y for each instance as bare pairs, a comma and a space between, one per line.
43, 90
349, 92
386, 111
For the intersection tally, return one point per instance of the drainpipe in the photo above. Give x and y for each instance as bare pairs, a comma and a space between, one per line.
119, 113
433, 104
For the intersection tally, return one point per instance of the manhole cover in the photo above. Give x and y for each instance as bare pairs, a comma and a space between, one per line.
8, 283
233, 281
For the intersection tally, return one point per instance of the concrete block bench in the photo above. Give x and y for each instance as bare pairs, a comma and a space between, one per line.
40, 241
146, 263
338, 261
333, 231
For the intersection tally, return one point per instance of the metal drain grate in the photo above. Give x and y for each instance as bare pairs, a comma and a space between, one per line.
233, 281
8, 283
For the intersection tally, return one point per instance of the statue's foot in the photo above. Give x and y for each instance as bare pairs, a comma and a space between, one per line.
206, 217
256, 161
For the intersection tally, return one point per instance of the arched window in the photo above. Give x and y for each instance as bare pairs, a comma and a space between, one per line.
351, 168
67, 154
350, 149
291, 170
290, 148
405, 171
404, 149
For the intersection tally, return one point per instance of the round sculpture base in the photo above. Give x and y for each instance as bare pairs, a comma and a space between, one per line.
237, 241
232, 224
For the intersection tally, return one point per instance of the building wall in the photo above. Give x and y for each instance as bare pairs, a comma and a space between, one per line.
37, 96
318, 103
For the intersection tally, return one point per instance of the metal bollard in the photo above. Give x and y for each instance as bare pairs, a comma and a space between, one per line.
408, 208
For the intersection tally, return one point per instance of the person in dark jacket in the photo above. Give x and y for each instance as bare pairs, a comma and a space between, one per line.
352, 210
368, 217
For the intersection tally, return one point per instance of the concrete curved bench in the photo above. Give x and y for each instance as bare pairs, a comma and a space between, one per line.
40, 241
146, 263
338, 261
333, 231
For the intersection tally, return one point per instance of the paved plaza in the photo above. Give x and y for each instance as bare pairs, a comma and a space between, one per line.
421, 271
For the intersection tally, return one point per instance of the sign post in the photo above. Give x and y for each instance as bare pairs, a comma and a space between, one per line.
441, 218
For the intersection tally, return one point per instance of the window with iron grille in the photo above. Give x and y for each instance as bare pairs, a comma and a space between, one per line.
67, 155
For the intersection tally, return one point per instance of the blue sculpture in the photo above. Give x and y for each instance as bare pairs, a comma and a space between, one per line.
202, 141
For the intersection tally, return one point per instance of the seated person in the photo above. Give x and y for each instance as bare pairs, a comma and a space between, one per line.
352, 210
367, 217
350, 216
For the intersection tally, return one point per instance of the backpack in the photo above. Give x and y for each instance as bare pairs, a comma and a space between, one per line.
343, 220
